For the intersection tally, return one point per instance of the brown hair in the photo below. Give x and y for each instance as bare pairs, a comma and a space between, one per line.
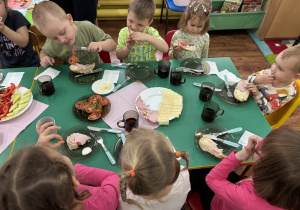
32, 180
191, 13
276, 174
151, 156
7, 8
293, 52
44, 12
143, 9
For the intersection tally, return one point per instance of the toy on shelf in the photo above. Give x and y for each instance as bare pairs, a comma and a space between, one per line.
251, 5
231, 6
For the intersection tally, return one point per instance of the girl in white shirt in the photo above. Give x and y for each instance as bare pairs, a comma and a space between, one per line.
152, 177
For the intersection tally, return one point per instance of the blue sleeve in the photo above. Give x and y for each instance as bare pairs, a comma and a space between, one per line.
18, 20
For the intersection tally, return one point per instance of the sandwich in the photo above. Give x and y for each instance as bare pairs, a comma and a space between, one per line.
77, 139
184, 46
241, 93
207, 145
80, 68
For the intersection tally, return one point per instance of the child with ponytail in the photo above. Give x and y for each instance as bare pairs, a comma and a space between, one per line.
152, 177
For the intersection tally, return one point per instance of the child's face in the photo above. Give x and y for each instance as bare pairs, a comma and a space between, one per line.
2, 9
135, 24
61, 31
194, 26
283, 69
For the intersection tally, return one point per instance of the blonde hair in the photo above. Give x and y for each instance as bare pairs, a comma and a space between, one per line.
143, 9
197, 9
276, 174
293, 52
45, 11
151, 157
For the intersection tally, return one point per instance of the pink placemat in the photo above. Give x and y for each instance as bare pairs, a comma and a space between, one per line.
10, 129
124, 100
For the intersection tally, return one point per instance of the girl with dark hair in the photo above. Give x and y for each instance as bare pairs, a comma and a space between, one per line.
40, 178
276, 171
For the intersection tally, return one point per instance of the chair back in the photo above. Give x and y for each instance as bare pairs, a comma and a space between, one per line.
168, 39
34, 41
277, 118
105, 57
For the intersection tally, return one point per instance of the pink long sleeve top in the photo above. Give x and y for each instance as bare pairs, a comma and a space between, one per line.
229, 196
104, 187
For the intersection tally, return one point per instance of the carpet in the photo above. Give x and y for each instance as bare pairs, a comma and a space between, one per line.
276, 46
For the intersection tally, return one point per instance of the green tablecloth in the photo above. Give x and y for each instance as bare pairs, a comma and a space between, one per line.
180, 131
26, 82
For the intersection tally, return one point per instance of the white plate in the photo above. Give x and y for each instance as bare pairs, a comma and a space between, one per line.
152, 97
22, 90
97, 85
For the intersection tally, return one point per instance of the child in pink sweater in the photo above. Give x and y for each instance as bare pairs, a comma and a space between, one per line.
276, 170
39, 177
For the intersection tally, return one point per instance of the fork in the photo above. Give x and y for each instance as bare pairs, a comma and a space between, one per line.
99, 139
229, 94
227, 132
119, 85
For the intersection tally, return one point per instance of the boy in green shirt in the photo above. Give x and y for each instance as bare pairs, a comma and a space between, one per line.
63, 33
138, 42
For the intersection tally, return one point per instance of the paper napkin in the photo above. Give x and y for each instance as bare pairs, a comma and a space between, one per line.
213, 67
232, 79
49, 71
111, 75
124, 100
12, 77
244, 138
12, 128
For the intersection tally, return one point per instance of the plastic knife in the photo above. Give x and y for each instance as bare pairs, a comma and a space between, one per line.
199, 85
230, 143
104, 129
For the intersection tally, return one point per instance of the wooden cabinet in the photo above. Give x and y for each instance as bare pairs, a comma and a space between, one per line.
281, 20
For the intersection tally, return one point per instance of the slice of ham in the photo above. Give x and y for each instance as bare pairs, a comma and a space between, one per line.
79, 138
241, 86
145, 111
81, 65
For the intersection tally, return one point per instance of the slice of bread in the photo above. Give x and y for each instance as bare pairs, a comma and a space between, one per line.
207, 145
79, 68
240, 93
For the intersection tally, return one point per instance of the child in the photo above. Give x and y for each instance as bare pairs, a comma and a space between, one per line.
152, 177
276, 171
39, 177
193, 27
15, 49
272, 88
138, 42
63, 33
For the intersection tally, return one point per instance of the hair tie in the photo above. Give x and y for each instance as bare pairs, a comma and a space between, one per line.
132, 173
178, 154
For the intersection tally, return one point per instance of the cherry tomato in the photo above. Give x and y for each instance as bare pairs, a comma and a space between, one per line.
94, 116
105, 101
95, 98
78, 104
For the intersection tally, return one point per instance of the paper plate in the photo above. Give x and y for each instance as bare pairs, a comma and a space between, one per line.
96, 87
22, 90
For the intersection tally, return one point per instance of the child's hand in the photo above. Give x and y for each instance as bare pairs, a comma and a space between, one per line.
45, 137
47, 61
95, 47
138, 36
252, 88
248, 150
264, 79
130, 43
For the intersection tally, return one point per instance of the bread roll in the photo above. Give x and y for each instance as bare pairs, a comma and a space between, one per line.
79, 68
240, 93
